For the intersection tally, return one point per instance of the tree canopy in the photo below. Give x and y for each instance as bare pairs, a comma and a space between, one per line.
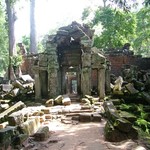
120, 26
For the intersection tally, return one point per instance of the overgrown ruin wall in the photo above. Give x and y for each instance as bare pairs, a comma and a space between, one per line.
118, 61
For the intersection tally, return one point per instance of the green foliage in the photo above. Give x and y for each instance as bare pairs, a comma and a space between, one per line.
3, 41
16, 60
26, 42
145, 125
118, 27
85, 13
141, 43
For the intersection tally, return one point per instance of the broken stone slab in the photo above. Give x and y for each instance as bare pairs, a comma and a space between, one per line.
15, 118
118, 84
27, 78
19, 105
30, 126
18, 84
85, 117
85, 100
42, 134
49, 103
46, 110
113, 116
58, 100
96, 117
66, 100
112, 134
15, 92
126, 115
131, 88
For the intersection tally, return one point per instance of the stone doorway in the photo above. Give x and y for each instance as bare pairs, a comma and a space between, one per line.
71, 83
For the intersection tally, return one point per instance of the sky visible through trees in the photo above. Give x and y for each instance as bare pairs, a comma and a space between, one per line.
50, 14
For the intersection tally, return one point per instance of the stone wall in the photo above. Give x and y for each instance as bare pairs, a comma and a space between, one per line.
117, 62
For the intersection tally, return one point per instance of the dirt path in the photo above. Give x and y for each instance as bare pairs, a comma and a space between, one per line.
80, 136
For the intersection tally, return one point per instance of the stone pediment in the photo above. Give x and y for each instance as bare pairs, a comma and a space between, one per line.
71, 34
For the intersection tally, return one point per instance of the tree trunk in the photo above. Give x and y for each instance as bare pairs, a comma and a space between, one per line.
11, 31
33, 38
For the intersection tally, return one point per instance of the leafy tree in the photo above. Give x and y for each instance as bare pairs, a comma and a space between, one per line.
118, 27
141, 43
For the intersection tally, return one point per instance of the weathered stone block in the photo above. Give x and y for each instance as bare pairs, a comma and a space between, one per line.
19, 105
49, 103
96, 117
131, 89
42, 134
6, 135
3, 125
46, 110
112, 134
86, 117
19, 139
58, 100
30, 126
48, 116
16, 118
66, 101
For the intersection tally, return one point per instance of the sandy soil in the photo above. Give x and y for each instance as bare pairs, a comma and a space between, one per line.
79, 136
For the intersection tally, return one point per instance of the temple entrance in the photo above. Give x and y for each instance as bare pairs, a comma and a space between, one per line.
71, 83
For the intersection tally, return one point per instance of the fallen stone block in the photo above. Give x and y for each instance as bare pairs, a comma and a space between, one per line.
46, 110
6, 136
58, 100
30, 126
131, 89
49, 103
76, 118
42, 134
113, 116
27, 78
85, 107
19, 105
3, 125
16, 118
19, 140
66, 101
48, 116
113, 135
96, 117
85, 117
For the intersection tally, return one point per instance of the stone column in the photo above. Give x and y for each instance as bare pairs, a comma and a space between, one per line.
38, 84
107, 82
86, 81
86, 74
53, 66
101, 82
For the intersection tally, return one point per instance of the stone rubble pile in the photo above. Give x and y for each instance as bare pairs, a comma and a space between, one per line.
133, 84
21, 86
20, 122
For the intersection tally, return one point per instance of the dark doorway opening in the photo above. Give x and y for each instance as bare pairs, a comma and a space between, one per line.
71, 83
94, 82
44, 83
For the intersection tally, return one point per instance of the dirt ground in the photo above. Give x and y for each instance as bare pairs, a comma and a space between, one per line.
73, 135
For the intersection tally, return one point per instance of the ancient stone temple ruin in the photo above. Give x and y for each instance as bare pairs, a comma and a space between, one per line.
70, 65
